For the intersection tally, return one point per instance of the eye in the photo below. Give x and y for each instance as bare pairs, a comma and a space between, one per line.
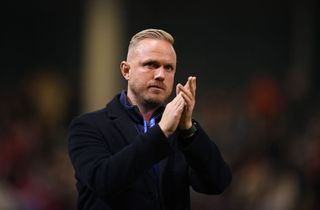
151, 65
169, 68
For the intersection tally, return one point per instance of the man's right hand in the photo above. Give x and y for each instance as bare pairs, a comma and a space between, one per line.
171, 115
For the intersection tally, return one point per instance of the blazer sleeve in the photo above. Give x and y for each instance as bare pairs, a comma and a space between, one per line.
208, 171
105, 173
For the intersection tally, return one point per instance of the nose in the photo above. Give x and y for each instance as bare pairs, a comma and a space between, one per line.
159, 74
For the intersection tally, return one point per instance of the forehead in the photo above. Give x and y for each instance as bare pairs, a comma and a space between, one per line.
153, 49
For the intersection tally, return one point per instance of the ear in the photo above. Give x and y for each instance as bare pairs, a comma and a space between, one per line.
125, 69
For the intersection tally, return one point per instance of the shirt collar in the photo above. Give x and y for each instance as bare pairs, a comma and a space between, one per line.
134, 112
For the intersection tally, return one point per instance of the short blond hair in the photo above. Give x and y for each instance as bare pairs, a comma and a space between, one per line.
151, 33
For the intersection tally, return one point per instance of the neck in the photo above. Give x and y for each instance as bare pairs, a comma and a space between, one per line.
145, 111
146, 114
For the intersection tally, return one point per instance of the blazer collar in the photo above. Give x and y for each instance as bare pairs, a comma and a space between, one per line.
117, 113
124, 121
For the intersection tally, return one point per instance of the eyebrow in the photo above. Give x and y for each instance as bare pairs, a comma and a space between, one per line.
152, 61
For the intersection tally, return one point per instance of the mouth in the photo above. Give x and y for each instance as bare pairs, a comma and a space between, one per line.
161, 87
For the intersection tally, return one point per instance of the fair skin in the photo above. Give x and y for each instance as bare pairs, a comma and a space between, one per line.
150, 70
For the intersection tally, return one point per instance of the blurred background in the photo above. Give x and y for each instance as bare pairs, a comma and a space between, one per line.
257, 64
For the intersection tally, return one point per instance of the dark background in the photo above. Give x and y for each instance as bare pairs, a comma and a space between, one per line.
258, 94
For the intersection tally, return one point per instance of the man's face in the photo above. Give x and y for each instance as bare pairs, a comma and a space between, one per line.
151, 68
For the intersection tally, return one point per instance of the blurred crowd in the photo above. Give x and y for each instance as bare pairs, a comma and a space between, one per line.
35, 173
270, 133
268, 130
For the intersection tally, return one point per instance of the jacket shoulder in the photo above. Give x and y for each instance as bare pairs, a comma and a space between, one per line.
89, 116
103, 114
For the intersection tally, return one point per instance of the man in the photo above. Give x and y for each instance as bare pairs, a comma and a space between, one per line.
138, 153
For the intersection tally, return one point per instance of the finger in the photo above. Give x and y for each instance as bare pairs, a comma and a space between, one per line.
187, 83
178, 100
177, 88
181, 99
186, 91
188, 101
187, 96
179, 103
193, 85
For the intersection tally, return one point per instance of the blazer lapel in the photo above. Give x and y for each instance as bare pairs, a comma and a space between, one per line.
121, 120
127, 128
129, 131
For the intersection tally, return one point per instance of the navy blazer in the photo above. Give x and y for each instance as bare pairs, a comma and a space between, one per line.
113, 161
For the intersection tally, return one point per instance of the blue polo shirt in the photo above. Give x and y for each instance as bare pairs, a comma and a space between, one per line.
134, 113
